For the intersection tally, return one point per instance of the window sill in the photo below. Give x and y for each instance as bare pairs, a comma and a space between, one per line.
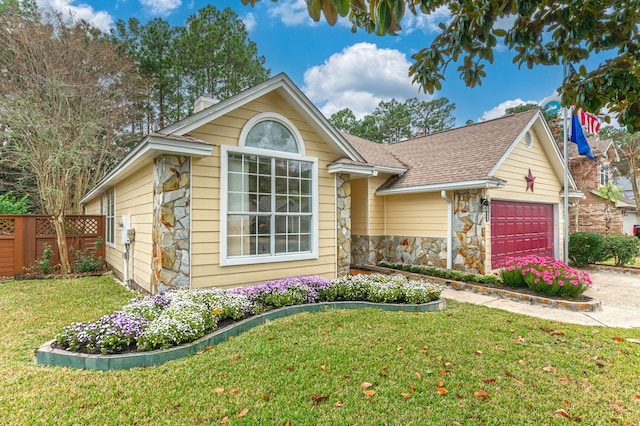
251, 260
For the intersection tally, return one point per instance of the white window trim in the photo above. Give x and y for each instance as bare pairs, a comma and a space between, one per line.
110, 243
271, 116
255, 259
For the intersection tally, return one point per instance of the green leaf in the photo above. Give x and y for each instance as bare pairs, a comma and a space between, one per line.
384, 18
342, 6
314, 7
330, 12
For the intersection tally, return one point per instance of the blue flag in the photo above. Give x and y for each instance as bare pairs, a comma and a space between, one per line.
578, 137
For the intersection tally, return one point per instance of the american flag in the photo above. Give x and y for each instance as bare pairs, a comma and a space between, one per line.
589, 121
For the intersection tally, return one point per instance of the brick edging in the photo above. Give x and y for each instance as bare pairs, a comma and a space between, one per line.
48, 355
591, 305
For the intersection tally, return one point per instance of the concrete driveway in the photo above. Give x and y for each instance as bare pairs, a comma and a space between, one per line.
618, 293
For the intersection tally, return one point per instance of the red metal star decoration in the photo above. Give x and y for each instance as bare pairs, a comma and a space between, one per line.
530, 178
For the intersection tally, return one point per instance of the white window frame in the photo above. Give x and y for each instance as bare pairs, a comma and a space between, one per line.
225, 150
605, 170
110, 218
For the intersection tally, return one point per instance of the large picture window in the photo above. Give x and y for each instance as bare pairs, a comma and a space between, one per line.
270, 198
110, 215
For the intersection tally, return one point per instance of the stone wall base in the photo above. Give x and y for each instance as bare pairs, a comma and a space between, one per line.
371, 250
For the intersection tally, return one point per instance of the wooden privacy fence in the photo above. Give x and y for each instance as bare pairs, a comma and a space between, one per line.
23, 237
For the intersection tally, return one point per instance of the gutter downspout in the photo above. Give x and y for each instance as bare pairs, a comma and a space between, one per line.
449, 201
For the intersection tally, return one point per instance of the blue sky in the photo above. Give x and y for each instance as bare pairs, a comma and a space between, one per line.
338, 69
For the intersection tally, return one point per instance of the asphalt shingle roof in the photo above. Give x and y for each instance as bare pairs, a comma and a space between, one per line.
464, 154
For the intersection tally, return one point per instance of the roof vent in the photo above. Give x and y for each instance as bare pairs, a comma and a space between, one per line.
204, 101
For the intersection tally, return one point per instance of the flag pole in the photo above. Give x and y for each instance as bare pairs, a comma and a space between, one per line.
565, 231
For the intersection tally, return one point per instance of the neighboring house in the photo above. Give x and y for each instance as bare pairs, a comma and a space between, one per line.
592, 214
260, 186
630, 216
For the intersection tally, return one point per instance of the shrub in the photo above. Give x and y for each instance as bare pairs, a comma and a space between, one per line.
381, 288
10, 204
586, 248
44, 264
624, 249
442, 273
86, 260
548, 276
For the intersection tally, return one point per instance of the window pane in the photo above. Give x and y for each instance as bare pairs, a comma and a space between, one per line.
293, 226
294, 186
305, 170
305, 187
234, 246
264, 225
235, 201
281, 203
235, 163
281, 185
264, 185
281, 224
235, 182
281, 243
250, 164
305, 204
294, 204
294, 168
305, 224
271, 135
293, 243
252, 203
265, 203
265, 166
281, 167
253, 183
305, 244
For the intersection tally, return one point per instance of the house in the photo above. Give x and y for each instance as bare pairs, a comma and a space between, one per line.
593, 213
260, 186
467, 198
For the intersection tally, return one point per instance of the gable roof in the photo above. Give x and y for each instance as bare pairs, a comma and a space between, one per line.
465, 157
283, 85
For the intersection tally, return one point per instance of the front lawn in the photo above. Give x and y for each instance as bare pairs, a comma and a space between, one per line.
466, 365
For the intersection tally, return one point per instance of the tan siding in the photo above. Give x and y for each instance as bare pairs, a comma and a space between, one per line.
133, 197
377, 206
423, 215
205, 261
359, 195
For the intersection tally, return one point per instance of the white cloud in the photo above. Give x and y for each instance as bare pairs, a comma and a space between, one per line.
359, 78
99, 19
161, 7
428, 24
498, 111
249, 21
291, 12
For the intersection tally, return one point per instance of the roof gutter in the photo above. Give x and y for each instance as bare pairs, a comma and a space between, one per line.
150, 147
364, 169
450, 186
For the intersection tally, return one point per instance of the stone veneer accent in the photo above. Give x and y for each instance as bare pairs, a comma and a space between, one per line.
171, 223
469, 252
469, 223
343, 213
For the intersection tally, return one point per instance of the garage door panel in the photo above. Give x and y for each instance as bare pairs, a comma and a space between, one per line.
520, 229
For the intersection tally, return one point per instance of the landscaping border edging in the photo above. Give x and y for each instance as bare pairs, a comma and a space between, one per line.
591, 305
48, 355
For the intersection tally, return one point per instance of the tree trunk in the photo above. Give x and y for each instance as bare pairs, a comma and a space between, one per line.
61, 239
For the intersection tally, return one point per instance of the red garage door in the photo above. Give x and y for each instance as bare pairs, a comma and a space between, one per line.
520, 229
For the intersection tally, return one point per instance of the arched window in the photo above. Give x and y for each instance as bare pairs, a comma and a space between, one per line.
268, 195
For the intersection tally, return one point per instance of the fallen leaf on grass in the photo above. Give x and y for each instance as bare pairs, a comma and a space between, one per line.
522, 362
412, 388
365, 385
444, 372
243, 413
233, 391
218, 390
339, 404
550, 369
440, 383
224, 420
489, 380
566, 403
618, 339
631, 340
322, 367
287, 423
636, 398
369, 326
481, 394
419, 376
442, 391
290, 368
517, 382
405, 394
562, 412
563, 378
317, 399
369, 392
479, 352
208, 348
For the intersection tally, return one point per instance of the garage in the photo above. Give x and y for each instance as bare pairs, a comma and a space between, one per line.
520, 229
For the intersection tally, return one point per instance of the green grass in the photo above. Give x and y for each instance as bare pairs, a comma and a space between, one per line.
282, 371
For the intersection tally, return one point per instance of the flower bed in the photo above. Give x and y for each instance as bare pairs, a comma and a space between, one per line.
544, 275
181, 316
